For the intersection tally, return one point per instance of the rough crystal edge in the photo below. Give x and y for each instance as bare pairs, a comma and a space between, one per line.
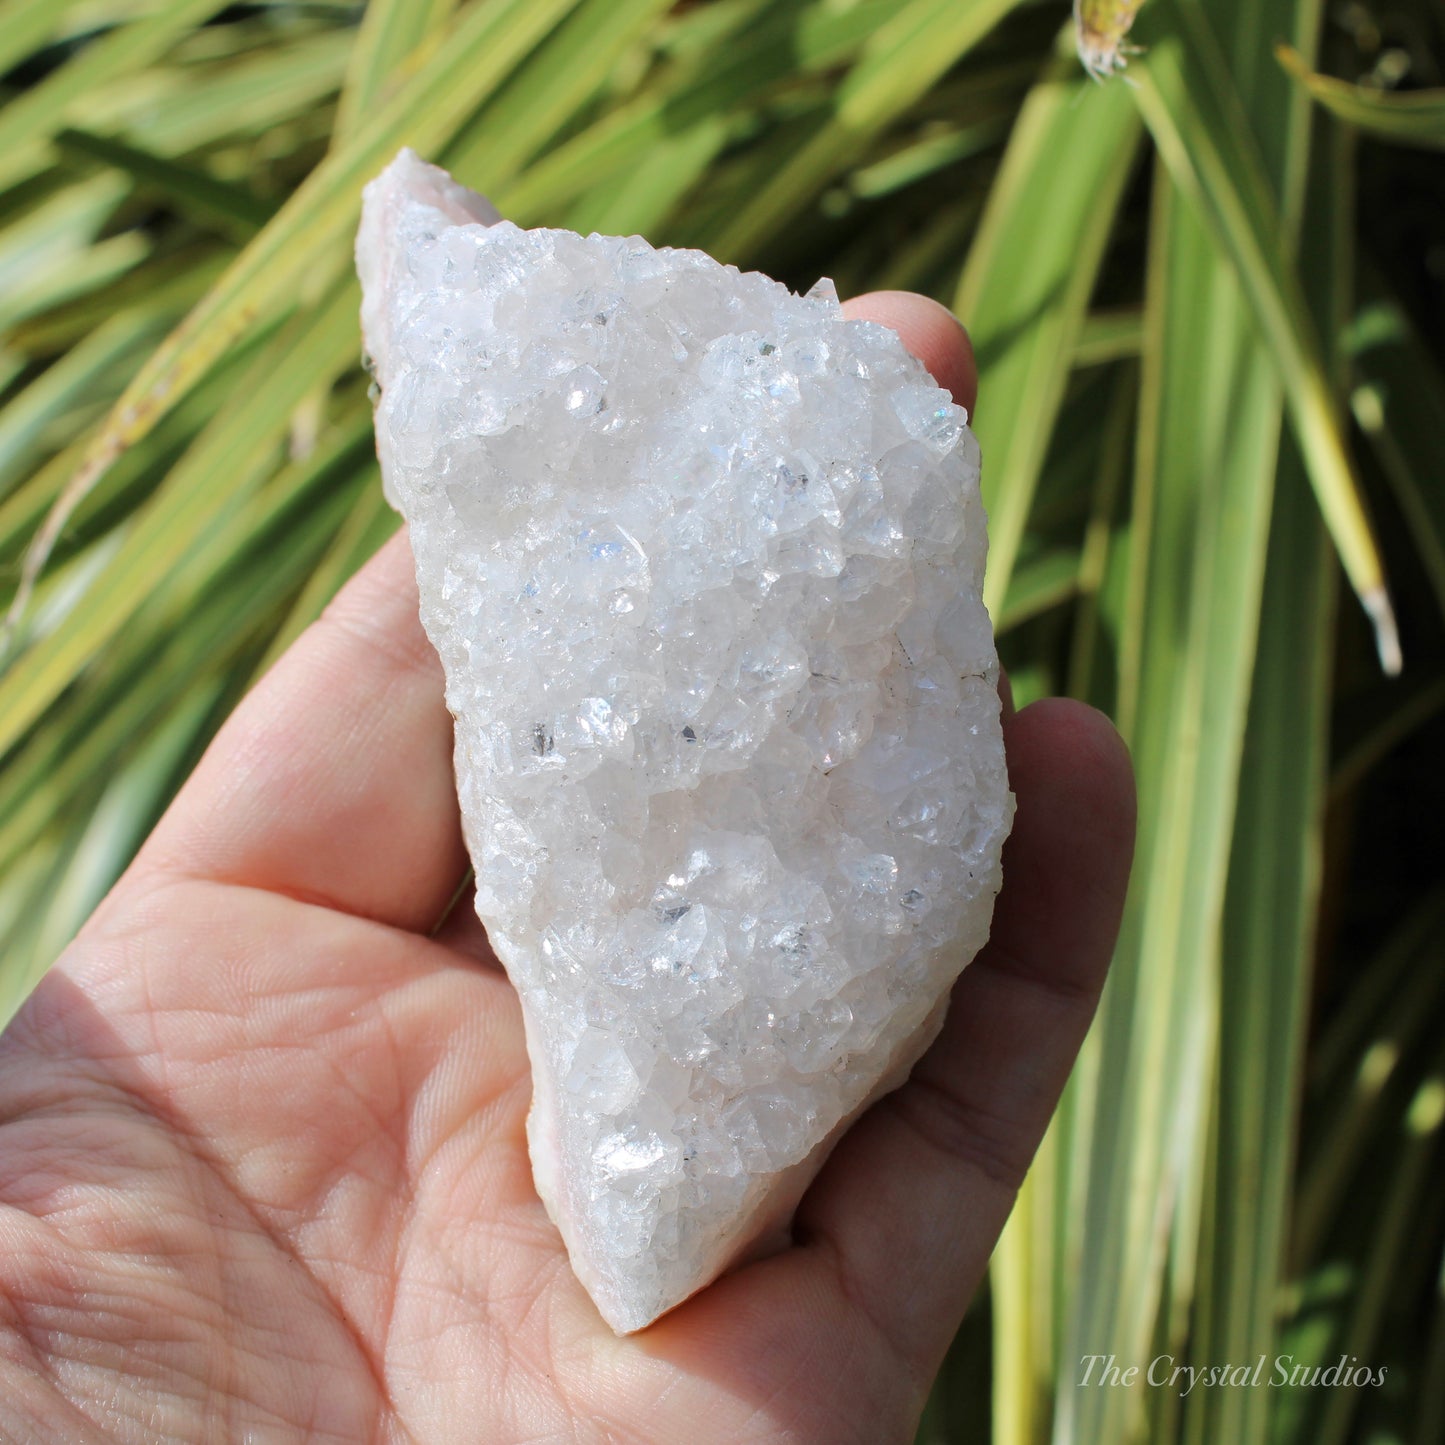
409, 181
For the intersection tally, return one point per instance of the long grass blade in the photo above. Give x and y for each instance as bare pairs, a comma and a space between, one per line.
53, 234
115, 826
1040, 584
764, 44
1267, 941
551, 87
97, 268
1211, 413
368, 524
27, 122
1178, 92
25, 26
1414, 118
485, 43
200, 620
1406, 1207
390, 39
76, 379
1026, 287
1399, 402
1109, 336
1393, 1011
185, 110
238, 212
32, 877
241, 444
900, 61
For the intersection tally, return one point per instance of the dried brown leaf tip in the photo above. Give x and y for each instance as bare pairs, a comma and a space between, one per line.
1101, 29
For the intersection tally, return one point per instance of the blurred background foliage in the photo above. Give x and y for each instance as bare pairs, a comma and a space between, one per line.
1208, 302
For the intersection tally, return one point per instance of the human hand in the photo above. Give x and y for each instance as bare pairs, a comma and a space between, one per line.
263, 1171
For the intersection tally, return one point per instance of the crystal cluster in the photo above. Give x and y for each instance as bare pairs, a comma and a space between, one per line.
703, 562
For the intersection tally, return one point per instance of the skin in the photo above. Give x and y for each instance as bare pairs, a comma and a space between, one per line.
262, 1166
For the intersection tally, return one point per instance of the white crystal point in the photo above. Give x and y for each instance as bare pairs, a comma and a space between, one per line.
703, 562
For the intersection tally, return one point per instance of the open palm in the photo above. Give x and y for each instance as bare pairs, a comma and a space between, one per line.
263, 1172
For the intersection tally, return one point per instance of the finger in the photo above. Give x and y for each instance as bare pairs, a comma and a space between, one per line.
333, 779
909, 1207
930, 331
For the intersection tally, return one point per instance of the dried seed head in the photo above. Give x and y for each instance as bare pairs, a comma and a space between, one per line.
1100, 29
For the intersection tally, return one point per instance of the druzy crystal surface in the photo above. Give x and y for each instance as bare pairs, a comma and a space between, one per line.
703, 562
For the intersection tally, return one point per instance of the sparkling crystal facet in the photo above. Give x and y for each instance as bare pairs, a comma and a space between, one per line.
703, 562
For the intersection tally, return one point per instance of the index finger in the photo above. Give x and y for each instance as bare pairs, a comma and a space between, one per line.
332, 781
931, 332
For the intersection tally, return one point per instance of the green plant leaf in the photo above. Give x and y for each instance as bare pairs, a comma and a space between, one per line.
391, 38
240, 443
28, 121
182, 110
1178, 89
319, 217
198, 620
96, 268
51, 235
78, 376
1162, 1225
192, 191
1200, 521
900, 60
1394, 1009
1039, 584
551, 87
1109, 336
26, 25
698, 93
1267, 943
1413, 117
368, 524
1398, 401
1026, 288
